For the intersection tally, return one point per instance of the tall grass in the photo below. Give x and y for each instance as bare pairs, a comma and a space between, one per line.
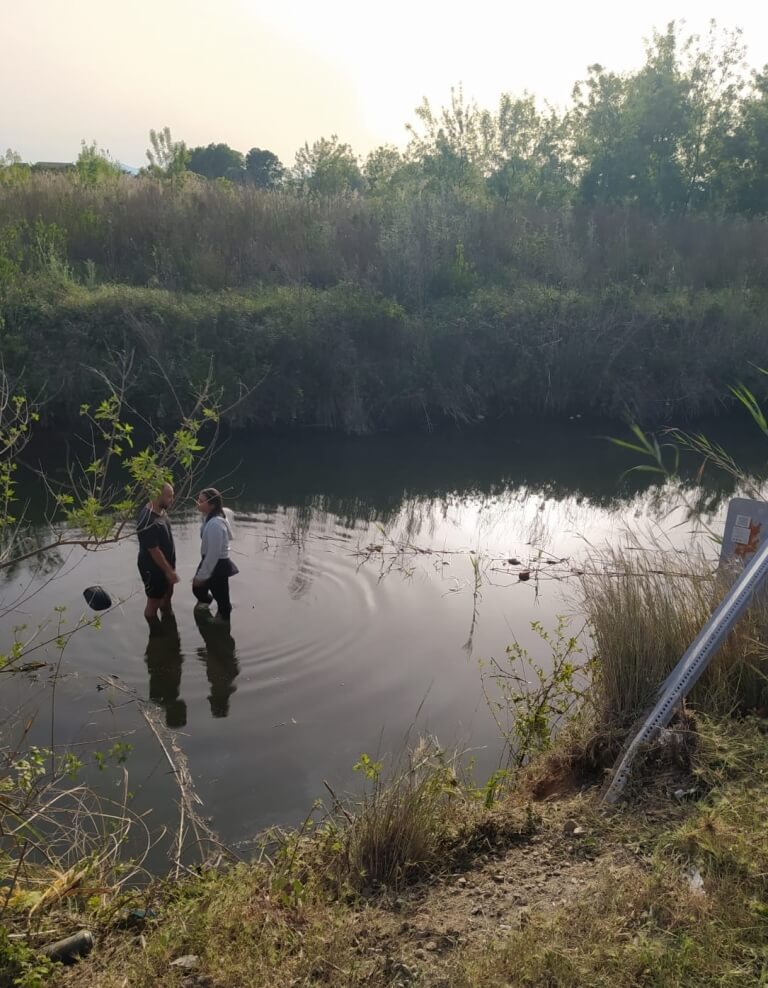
211, 235
644, 610
371, 314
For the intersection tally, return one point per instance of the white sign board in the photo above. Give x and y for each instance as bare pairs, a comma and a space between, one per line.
746, 529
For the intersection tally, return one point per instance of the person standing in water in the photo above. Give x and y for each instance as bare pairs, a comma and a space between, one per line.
211, 580
157, 553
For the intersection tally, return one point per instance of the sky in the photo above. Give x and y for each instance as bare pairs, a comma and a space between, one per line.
274, 75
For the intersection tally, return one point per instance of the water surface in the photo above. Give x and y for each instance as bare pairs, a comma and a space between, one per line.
358, 613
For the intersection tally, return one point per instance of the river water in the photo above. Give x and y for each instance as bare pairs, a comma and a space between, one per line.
359, 616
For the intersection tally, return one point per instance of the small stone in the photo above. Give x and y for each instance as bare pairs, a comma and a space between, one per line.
461, 881
419, 954
499, 879
188, 962
431, 946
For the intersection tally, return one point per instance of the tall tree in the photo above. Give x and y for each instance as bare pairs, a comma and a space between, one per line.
742, 179
386, 169
264, 169
655, 137
716, 83
216, 161
167, 158
530, 155
453, 146
328, 167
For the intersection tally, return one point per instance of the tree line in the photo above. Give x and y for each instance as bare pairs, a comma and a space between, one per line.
687, 131
503, 264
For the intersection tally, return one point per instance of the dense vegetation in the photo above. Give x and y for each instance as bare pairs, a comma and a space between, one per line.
517, 262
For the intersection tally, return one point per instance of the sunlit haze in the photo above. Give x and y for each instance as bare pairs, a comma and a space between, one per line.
251, 73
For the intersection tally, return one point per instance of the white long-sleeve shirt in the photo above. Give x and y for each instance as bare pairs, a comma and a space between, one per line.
215, 534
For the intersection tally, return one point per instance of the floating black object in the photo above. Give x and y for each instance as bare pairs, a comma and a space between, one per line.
97, 598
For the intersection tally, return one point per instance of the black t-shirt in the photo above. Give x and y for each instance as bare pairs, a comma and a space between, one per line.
154, 532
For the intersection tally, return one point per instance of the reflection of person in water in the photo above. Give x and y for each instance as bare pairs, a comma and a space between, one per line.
221, 663
164, 659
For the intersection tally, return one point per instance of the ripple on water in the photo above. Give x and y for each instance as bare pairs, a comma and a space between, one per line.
306, 613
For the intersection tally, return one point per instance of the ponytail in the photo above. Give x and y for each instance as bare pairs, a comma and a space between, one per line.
214, 498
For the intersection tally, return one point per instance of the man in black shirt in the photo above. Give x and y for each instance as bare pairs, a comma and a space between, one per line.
157, 554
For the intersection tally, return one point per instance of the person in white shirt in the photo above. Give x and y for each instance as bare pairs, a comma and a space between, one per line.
211, 581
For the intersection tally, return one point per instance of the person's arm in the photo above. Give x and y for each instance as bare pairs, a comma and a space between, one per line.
212, 547
158, 557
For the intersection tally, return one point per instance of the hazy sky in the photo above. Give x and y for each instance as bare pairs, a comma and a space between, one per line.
273, 75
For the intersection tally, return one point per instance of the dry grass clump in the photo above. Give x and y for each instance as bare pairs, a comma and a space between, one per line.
644, 610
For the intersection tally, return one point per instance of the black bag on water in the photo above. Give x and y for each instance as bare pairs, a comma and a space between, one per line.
97, 598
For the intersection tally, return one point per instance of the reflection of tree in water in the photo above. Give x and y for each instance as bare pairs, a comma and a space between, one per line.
221, 665
164, 661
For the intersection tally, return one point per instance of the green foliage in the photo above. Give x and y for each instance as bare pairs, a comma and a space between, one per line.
348, 357
13, 172
167, 158
94, 165
216, 161
264, 169
370, 769
117, 754
515, 260
17, 417
530, 701
327, 168
20, 965
657, 138
403, 823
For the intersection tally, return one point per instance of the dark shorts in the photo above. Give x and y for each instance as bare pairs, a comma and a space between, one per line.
156, 585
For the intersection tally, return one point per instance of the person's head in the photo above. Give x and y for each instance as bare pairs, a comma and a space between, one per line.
209, 502
164, 499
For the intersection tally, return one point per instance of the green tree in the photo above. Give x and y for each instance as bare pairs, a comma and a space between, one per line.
167, 158
327, 168
453, 146
13, 171
716, 82
655, 138
216, 161
94, 164
530, 156
741, 182
264, 169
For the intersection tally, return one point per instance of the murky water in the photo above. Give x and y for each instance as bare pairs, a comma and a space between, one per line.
358, 613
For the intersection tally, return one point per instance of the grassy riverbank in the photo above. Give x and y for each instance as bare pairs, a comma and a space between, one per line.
665, 891
349, 358
361, 314
429, 879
